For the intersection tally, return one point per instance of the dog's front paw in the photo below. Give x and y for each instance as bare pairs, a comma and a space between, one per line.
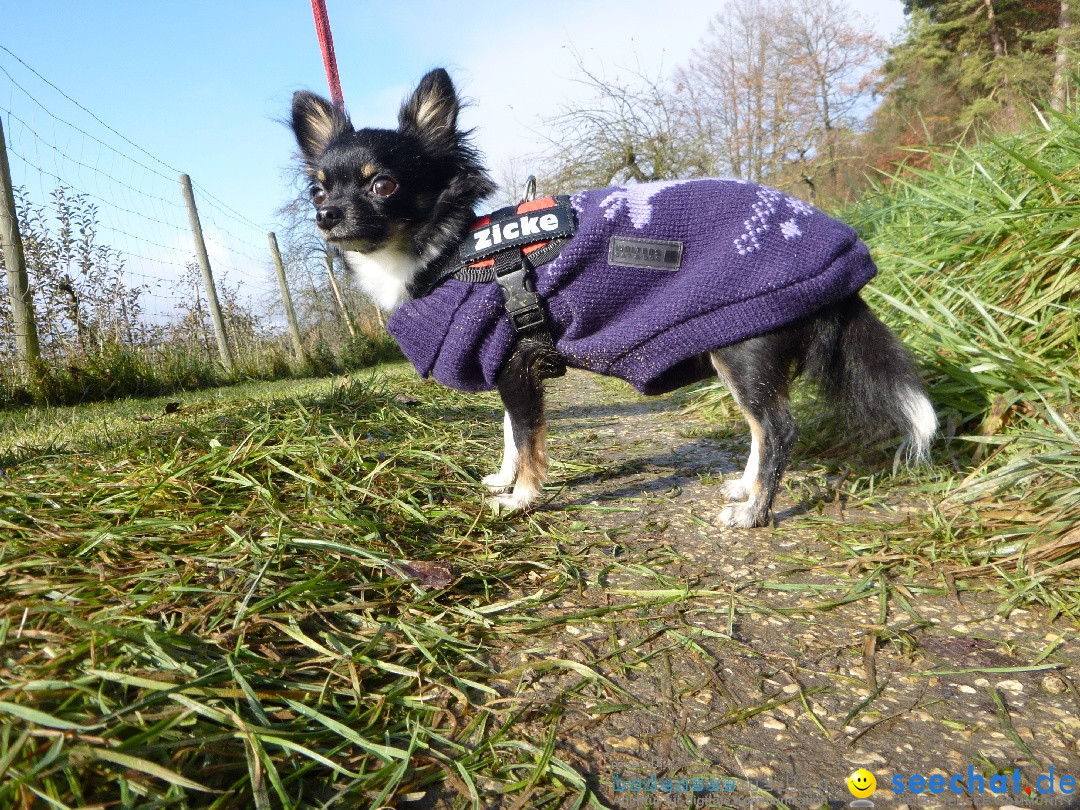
735, 490
521, 498
498, 481
508, 502
743, 516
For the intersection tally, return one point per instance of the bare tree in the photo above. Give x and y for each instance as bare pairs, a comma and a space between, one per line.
630, 128
512, 180
738, 94
832, 55
773, 93
776, 88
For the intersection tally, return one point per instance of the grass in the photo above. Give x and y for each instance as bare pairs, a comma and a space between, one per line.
289, 594
98, 426
979, 256
116, 370
248, 602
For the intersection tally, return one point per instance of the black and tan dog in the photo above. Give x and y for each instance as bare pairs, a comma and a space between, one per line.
658, 284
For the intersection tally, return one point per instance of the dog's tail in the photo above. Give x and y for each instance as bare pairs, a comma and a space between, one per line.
863, 367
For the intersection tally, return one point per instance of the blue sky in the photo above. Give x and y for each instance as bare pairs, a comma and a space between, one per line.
203, 86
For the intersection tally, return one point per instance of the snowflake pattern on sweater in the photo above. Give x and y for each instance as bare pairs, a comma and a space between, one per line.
753, 259
770, 207
632, 200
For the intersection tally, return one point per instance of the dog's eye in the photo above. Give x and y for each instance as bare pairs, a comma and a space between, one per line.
383, 186
318, 196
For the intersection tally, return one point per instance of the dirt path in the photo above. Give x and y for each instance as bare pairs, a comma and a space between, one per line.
765, 679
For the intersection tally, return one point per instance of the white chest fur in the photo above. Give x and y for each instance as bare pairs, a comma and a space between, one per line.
384, 274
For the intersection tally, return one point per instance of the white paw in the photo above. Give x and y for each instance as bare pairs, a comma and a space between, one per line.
497, 481
500, 504
735, 490
740, 515
521, 498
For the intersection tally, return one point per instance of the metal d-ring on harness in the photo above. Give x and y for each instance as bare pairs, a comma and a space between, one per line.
530, 189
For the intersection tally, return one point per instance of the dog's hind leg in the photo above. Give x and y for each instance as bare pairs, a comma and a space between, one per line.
757, 372
738, 489
524, 429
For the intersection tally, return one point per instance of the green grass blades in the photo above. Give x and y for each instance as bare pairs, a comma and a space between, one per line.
268, 598
979, 259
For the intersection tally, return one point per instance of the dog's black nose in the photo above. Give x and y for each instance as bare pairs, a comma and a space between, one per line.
328, 216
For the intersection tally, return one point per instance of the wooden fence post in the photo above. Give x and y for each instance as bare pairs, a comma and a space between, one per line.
286, 298
337, 294
22, 303
207, 275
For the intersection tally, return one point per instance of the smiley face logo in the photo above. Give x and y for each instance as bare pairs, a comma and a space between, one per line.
862, 784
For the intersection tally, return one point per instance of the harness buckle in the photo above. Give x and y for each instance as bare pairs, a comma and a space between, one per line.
513, 273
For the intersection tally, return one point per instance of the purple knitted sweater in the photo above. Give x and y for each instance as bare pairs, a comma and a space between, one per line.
753, 259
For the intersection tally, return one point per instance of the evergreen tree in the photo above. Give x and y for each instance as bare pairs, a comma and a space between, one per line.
969, 62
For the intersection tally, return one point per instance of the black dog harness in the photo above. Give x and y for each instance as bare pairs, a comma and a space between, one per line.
505, 247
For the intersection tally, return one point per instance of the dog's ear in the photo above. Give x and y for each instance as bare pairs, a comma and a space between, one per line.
431, 113
316, 122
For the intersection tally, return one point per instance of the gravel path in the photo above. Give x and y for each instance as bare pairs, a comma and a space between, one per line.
787, 668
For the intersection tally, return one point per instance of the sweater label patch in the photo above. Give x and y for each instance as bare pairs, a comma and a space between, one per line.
652, 254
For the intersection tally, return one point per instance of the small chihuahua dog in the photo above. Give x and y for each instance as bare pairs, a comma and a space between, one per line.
660, 284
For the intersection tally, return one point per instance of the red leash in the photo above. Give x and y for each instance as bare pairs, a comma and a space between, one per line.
326, 45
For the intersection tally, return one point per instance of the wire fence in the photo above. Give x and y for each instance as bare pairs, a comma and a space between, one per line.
109, 250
